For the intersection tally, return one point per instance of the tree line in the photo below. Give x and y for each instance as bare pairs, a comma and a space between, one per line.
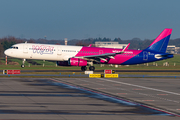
136, 43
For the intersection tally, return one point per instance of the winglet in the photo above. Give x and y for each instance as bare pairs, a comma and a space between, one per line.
90, 45
125, 48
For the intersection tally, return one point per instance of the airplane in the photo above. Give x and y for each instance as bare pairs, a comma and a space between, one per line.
87, 56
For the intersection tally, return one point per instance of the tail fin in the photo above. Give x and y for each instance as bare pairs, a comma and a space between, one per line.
161, 42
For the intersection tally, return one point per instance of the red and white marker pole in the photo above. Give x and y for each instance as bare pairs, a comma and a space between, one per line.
6, 60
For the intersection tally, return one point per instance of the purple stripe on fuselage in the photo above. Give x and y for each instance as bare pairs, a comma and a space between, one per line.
119, 58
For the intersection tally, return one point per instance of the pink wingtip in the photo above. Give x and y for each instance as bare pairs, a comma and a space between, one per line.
90, 45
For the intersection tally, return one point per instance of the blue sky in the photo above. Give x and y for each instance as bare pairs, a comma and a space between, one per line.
81, 19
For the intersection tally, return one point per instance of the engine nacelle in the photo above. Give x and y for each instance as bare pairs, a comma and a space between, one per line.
62, 63
77, 62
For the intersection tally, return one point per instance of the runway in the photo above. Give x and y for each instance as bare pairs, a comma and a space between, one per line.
153, 92
85, 98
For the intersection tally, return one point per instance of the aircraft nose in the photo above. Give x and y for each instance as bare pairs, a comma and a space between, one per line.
7, 52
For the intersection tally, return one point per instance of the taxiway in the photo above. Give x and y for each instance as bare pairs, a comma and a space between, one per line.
89, 98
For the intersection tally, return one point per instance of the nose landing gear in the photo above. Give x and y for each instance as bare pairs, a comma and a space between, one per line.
23, 63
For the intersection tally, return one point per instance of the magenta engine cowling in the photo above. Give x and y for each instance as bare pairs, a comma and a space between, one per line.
77, 62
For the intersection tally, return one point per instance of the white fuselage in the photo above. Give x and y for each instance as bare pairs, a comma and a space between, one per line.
42, 51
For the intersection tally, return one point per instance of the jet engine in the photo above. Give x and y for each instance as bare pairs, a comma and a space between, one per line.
77, 62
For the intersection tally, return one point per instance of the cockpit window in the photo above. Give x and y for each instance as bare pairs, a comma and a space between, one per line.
13, 47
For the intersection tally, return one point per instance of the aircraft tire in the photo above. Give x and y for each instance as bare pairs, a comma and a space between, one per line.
91, 68
83, 68
22, 66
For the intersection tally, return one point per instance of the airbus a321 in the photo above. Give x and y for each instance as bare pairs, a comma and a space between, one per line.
87, 56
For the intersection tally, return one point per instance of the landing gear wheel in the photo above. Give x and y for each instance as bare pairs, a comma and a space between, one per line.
83, 68
22, 66
91, 68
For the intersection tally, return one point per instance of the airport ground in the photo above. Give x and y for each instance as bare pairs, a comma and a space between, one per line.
89, 98
40, 93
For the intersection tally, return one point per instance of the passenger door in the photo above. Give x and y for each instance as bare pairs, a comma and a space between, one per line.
59, 51
25, 48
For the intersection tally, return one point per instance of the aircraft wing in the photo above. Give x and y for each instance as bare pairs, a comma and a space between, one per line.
103, 57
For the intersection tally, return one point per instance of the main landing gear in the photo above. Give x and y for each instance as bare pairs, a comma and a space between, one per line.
23, 63
91, 68
84, 68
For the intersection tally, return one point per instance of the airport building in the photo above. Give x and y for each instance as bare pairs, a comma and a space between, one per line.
170, 48
173, 49
110, 45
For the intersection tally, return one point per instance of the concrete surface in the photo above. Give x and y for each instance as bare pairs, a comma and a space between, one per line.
60, 99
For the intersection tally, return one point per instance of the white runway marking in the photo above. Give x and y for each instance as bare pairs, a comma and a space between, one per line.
140, 86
